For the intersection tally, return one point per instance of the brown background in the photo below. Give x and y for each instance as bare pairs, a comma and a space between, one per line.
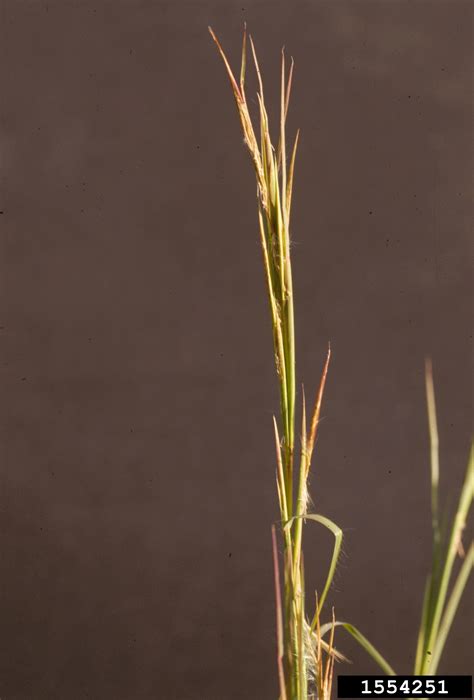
138, 467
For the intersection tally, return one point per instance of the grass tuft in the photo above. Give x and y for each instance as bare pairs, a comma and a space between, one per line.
305, 660
298, 665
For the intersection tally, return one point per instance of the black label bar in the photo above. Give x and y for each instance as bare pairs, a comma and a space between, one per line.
404, 687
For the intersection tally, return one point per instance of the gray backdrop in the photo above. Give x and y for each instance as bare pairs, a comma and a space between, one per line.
138, 481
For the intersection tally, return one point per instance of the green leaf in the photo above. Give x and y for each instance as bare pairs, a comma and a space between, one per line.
337, 532
465, 501
451, 609
244, 60
364, 642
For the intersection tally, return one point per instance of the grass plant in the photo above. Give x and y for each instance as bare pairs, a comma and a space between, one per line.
305, 645
439, 609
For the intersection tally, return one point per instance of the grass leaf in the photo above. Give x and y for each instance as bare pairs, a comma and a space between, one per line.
364, 643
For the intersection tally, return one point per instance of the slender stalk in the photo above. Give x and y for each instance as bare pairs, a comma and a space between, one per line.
434, 446
274, 179
451, 609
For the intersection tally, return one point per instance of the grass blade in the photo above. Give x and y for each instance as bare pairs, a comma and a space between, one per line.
280, 474
317, 406
465, 501
289, 184
451, 608
244, 60
424, 628
364, 642
337, 532
434, 445
279, 618
235, 87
